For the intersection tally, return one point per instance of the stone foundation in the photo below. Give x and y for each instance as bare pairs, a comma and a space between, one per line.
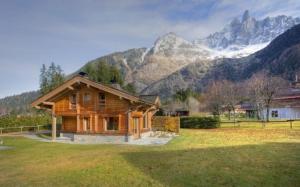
98, 138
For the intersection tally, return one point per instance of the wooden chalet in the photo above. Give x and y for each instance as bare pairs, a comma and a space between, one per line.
91, 109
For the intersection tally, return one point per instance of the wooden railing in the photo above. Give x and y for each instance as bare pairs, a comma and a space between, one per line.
263, 124
21, 129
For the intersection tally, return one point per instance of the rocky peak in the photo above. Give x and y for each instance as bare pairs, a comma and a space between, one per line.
247, 31
246, 16
169, 42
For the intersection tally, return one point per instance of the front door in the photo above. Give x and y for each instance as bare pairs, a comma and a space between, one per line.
136, 128
86, 124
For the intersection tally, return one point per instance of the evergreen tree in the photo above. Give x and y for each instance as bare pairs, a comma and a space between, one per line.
43, 79
50, 78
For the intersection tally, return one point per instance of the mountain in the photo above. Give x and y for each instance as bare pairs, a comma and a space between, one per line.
173, 62
281, 57
144, 66
246, 35
170, 53
18, 104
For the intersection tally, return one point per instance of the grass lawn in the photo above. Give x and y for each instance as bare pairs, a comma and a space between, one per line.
221, 157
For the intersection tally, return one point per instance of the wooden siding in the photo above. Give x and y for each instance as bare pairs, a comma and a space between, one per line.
69, 124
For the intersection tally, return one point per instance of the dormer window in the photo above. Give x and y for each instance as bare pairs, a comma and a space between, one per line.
101, 101
73, 101
86, 98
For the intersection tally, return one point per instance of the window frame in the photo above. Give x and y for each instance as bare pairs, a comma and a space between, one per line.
85, 102
274, 113
72, 101
107, 121
101, 102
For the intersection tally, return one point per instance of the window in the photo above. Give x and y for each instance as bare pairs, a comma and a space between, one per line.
274, 114
112, 123
145, 122
101, 100
86, 98
73, 101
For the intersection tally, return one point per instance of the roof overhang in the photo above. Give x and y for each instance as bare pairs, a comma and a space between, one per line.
68, 86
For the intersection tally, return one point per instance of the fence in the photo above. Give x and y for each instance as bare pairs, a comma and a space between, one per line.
292, 124
166, 123
21, 129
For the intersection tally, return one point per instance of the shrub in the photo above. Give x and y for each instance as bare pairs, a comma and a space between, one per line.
199, 122
17, 121
166, 123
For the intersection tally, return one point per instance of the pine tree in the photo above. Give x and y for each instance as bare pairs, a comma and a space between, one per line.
50, 78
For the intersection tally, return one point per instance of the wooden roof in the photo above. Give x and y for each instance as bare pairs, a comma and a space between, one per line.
82, 79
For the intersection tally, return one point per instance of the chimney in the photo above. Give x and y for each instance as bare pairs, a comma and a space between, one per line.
83, 74
115, 84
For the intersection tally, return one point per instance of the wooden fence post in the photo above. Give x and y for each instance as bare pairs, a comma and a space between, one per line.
21, 129
291, 124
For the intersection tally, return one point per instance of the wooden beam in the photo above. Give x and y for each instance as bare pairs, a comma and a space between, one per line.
71, 87
53, 127
49, 103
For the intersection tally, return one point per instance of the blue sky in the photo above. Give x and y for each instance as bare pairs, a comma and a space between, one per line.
72, 32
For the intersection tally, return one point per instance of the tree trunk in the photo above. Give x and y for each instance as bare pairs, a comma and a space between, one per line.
234, 115
229, 115
268, 111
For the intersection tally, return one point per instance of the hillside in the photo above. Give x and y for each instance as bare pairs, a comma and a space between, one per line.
18, 104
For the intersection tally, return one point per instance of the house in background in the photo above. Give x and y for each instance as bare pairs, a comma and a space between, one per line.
92, 111
286, 105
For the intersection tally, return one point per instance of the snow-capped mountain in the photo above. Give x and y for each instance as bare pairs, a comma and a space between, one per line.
171, 54
246, 35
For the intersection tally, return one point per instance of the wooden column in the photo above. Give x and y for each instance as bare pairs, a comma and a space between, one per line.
77, 112
53, 127
77, 123
91, 123
96, 122
128, 121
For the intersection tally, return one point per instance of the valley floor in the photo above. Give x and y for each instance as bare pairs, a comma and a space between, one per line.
220, 157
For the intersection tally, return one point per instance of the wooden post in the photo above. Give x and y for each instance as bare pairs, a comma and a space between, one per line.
53, 127
291, 124
96, 123
78, 112
128, 122
0, 130
91, 123
78, 123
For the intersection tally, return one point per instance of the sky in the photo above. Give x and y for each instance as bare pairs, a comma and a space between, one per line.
72, 32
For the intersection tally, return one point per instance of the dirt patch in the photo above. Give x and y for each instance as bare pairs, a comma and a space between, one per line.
5, 147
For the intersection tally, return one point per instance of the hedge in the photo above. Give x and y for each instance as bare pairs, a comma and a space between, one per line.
199, 122
17, 121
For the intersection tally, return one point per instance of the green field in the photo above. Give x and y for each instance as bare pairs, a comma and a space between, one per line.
219, 157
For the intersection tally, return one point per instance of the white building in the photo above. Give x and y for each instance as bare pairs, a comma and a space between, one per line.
286, 105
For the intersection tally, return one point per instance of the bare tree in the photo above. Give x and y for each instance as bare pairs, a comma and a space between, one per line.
215, 98
232, 95
262, 89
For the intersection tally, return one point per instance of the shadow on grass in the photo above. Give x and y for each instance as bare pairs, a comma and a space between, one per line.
270, 164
